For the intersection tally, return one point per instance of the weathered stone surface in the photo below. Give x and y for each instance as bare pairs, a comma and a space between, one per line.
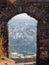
6, 61
37, 9
3, 39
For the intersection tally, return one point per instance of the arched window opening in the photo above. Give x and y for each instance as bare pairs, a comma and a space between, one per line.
23, 36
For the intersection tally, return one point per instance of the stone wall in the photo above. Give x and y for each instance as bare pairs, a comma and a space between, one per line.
39, 10
3, 39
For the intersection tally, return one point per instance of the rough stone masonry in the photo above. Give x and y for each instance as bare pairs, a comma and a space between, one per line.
39, 9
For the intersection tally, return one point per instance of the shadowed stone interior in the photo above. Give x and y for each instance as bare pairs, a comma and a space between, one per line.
38, 9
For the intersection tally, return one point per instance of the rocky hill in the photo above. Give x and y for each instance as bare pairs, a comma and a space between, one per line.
22, 35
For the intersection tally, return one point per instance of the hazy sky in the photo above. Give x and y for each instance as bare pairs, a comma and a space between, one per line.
22, 22
23, 16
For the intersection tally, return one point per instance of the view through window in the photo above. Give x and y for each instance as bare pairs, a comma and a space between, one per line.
23, 36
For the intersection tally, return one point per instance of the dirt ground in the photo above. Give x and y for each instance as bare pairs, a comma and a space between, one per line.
6, 61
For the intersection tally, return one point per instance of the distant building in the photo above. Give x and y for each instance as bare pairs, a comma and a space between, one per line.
14, 53
28, 56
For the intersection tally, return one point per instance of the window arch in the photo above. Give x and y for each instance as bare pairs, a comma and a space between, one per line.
22, 35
